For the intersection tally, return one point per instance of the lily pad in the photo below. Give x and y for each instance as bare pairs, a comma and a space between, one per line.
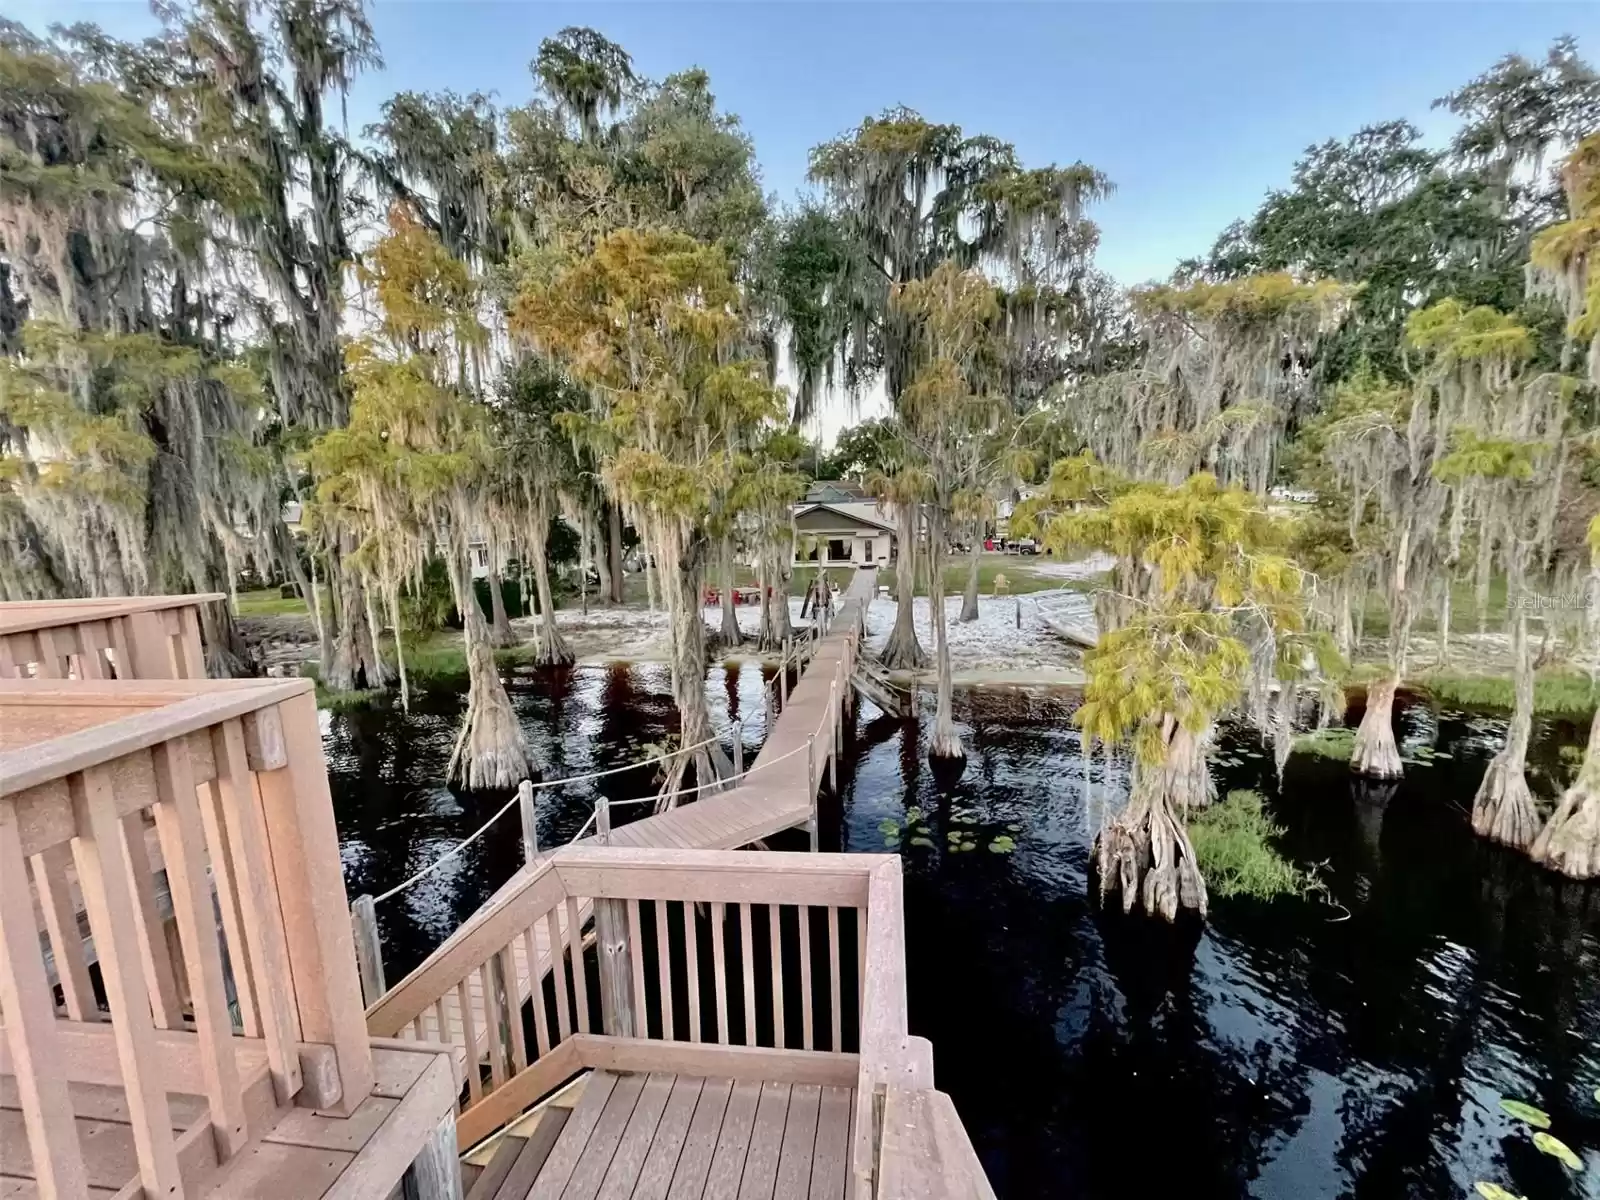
913, 814
1536, 1117
889, 825
922, 841
1559, 1150
1014, 828
969, 845
1493, 1191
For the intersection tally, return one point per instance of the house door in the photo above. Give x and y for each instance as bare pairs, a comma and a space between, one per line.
838, 550
866, 551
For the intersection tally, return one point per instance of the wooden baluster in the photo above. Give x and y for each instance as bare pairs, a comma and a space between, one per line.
558, 972
805, 977
719, 962
691, 958
469, 1038
30, 1020
833, 740
190, 654
183, 848
529, 813
90, 642
297, 808
48, 663
580, 973
61, 923
226, 881
811, 787
833, 979
541, 1019
151, 647
776, 942
417, 1030
105, 874
747, 960
513, 1010
664, 972
369, 948
493, 1023
259, 910
121, 647
441, 1024
641, 1006
8, 657
159, 974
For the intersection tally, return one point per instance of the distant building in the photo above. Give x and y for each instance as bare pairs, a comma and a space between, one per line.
846, 533
836, 491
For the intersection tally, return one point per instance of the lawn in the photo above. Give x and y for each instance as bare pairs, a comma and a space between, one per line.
269, 602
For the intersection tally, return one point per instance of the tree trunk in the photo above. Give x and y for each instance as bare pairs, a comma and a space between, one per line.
1570, 841
614, 549
946, 742
776, 628
1144, 853
550, 649
1503, 810
501, 635
1444, 626
682, 582
969, 600
902, 652
355, 662
731, 637
490, 752
1375, 753
1344, 629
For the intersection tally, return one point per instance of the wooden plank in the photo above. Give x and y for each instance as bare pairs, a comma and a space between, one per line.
414, 1121
258, 908
831, 1158
31, 1025
183, 850
775, 941
558, 971
492, 1023
719, 955
747, 962
834, 986
691, 956
519, 1045
61, 923
807, 1000
541, 1019
105, 876
303, 1127
487, 1184
469, 1038
694, 1163
661, 874
601, 1149
641, 1010
655, 1176
664, 971
535, 1153
766, 1143
580, 975
546, 1074
733, 1143
799, 1142
574, 1138
226, 882
160, 978
628, 1160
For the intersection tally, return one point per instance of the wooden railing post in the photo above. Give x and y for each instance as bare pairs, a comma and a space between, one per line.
738, 747
369, 950
602, 820
298, 808
783, 674
833, 735
616, 979
530, 822
435, 1174
811, 787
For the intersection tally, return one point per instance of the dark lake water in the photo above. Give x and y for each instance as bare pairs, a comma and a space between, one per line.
1355, 1044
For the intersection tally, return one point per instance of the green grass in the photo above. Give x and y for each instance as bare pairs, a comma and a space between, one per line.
1233, 844
1463, 610
1333, 742
269, 602
1559, 692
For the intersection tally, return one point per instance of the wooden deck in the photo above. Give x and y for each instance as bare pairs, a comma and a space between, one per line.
778, 794
674, 1137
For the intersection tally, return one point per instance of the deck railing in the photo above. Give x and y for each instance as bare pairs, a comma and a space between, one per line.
123, 637
265, 1011
768, 966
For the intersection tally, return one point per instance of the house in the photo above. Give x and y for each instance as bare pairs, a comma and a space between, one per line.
836, 491
858, 533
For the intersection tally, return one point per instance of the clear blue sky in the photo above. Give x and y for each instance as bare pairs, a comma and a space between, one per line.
1194, 110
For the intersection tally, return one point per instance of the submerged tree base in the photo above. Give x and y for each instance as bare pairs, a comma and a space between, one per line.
490, 752
1375, 753
902, 652
1570, 840
550, 649
1145, 854
1503, 810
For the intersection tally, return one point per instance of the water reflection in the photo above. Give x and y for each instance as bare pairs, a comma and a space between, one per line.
1353, 1045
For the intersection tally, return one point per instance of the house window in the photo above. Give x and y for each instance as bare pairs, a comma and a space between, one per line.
866, 550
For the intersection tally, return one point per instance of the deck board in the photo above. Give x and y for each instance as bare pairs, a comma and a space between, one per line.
685, 1138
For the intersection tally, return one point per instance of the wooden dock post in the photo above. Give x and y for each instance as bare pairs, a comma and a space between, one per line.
783, 673
435, 1174
738, 748
833, 736
602, 820
811, 787
530, 822
616, 978
369, 950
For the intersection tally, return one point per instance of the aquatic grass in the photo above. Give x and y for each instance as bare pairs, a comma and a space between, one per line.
1562, 693
1233, 842
1333, 742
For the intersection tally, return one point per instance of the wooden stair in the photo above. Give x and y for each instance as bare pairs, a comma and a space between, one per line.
873, 682
518, 1160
